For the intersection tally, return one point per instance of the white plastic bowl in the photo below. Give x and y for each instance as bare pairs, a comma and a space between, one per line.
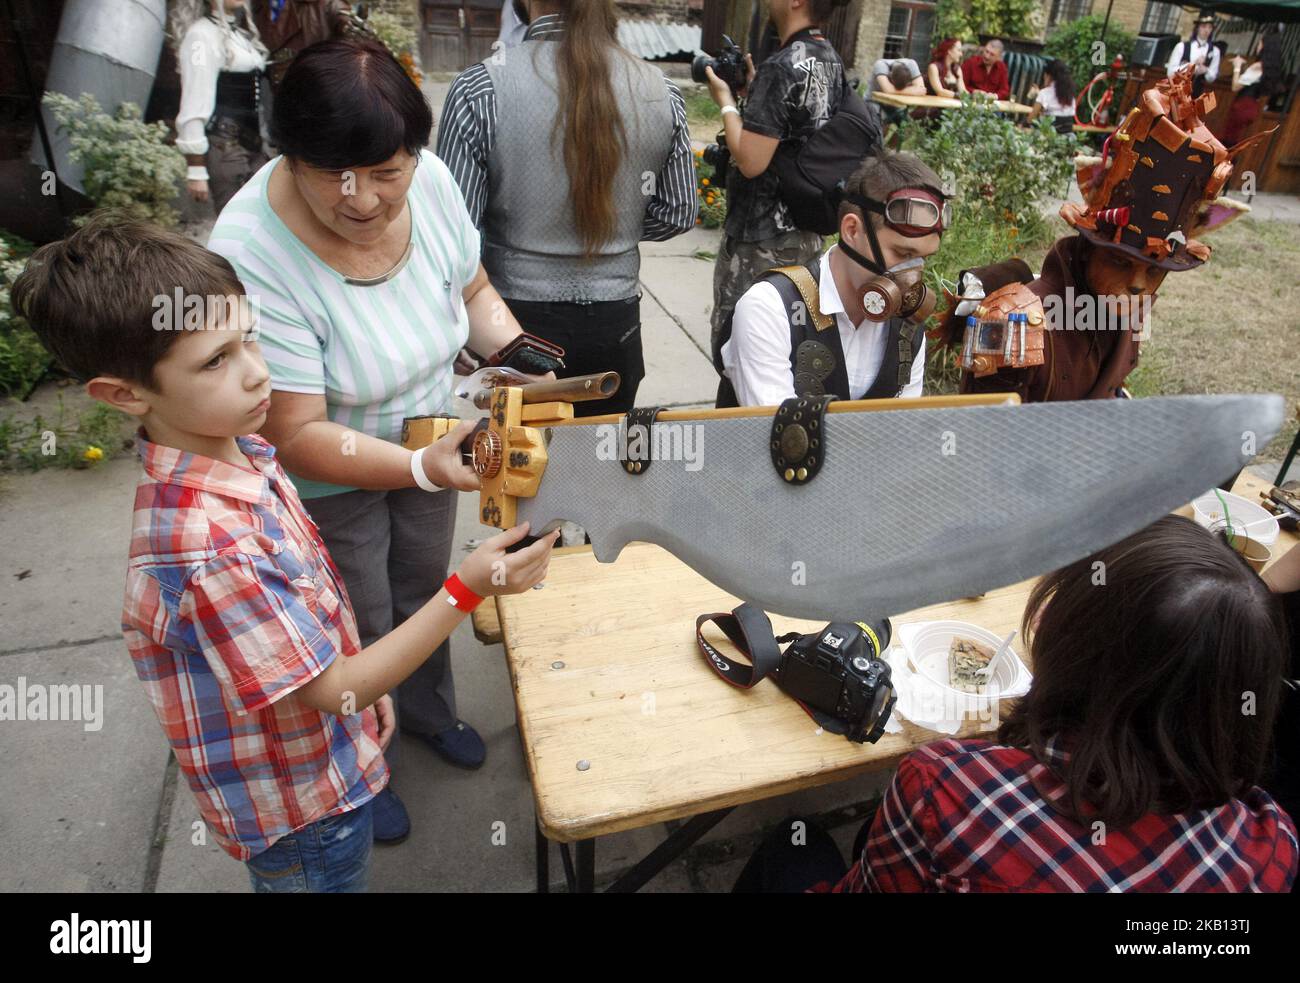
1248, 519
927, 654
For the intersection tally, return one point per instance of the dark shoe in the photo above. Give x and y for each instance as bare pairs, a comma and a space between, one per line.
392, 824
459, 745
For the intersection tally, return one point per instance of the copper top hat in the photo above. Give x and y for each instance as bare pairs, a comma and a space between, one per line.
1159, 179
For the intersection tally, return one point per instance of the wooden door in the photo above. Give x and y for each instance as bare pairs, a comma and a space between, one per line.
457, 33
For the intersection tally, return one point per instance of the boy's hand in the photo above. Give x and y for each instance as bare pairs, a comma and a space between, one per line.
387, 717
490, 570
442, 462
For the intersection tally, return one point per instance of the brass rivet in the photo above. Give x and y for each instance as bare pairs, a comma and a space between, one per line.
638, 467
789, 474
801, 474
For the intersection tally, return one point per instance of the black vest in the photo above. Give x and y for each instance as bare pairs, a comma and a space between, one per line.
817, 357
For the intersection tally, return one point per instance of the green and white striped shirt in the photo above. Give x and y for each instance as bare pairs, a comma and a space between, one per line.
377, 353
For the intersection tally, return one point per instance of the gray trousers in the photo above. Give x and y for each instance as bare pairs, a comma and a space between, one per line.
392, 549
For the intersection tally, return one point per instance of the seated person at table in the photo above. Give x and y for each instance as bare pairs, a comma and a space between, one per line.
235, 617
986, 72
944, 71
891, 219
897, 75
1132, 763
1283, 577
1056, 97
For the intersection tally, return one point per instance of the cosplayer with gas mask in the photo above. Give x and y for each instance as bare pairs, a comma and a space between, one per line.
850, 323
1075, 331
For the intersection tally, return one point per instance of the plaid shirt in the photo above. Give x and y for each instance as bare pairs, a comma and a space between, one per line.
232, 603
967, 815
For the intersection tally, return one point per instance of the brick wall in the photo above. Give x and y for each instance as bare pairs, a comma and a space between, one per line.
873, 18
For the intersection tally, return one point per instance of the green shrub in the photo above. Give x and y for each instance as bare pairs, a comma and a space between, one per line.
951, 21
999, 172
1078, 44
94, 436
128, 163
23, 360
1004, 18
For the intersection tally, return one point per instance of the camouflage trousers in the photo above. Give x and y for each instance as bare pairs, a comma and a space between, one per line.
739, 264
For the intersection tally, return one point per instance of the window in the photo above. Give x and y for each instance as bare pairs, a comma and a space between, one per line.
908, 35
1065, 11
1161, 18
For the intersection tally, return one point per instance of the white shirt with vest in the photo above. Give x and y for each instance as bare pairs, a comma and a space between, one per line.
757, 356
1188, 51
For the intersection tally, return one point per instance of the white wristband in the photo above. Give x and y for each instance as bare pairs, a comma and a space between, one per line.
730, 109
196, 172
417, 472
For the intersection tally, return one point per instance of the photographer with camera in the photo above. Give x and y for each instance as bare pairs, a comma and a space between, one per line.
790, 95
870, 287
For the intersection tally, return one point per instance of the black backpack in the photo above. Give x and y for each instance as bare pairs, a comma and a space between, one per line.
811, 173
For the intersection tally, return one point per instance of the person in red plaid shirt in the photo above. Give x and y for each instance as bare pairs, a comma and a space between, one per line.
1131, 764
235, 615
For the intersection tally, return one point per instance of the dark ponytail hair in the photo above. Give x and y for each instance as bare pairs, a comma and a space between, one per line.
1062, 80
1158, 662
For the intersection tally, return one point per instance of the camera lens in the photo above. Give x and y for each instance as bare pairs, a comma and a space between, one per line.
700, 63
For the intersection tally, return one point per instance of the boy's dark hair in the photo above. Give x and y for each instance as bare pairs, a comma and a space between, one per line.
92, 298
1161, 678
900, 74
348, 103
884, 173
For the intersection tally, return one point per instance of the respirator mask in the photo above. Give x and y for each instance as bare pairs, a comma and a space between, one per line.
899, 290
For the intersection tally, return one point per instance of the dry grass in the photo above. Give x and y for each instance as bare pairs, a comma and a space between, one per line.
1234, 324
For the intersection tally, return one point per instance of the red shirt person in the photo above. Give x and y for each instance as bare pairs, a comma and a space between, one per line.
985, 71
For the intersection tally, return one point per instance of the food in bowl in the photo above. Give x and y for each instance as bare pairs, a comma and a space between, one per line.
966, 659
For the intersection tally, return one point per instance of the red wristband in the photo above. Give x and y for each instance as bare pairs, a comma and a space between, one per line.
462, 598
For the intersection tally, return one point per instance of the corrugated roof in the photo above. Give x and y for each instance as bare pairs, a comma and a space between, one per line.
649, 39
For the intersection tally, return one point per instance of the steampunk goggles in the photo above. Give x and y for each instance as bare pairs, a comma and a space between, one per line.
911, 212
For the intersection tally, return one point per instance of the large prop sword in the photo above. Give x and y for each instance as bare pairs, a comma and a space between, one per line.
875, 507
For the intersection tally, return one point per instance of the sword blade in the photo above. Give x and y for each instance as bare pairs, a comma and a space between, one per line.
912, 507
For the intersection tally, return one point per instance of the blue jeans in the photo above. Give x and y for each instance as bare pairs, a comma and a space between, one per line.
331, 856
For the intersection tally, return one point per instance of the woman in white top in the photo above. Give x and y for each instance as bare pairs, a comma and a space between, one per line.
221, 61
1056, 97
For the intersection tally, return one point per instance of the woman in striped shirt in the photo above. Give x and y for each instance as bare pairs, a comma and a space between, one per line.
356, 249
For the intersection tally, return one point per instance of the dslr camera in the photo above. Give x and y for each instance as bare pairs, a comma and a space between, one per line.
728, 66
839, 672
838, 675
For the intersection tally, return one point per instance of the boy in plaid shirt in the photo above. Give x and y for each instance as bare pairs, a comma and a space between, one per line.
235, 615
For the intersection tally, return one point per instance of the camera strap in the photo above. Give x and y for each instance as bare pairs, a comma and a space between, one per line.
750, 631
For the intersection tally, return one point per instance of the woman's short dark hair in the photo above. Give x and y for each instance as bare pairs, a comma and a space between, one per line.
1158, 664
348, 103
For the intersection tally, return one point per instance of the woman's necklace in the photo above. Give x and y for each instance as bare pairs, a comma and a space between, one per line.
374, 281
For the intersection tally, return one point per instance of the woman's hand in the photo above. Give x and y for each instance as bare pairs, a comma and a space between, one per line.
490, 570
198, 190
442, 462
